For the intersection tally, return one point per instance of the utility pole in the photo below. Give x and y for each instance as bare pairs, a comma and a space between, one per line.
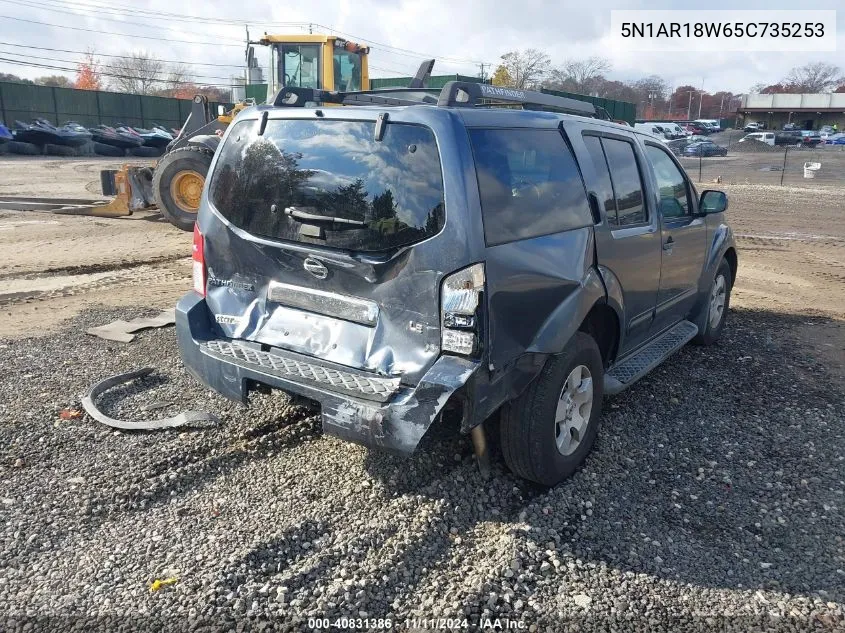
689, 106
483, 77
701, 97
246, 55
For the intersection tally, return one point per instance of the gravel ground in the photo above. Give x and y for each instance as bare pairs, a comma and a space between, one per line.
712, 501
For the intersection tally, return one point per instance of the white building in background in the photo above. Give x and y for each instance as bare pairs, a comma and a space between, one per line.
808, 111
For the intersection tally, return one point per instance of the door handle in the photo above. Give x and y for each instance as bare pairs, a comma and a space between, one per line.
668, 244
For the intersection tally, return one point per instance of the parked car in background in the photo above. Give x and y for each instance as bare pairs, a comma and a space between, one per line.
695, 128
810, 138
705, 148
711, 124
751, 127
764, 137
679, 144
676, 130
835, 139
791, 127
788, 137
651, 128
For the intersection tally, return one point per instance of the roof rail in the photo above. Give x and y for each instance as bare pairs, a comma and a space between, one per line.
299, 97
454, 94
467, 94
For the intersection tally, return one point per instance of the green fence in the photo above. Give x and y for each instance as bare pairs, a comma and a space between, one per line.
435, 81
618, 110
25, 102
257, 92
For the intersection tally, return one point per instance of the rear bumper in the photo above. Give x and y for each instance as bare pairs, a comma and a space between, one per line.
357, 406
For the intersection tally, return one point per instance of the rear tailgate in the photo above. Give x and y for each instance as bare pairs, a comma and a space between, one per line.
322, 241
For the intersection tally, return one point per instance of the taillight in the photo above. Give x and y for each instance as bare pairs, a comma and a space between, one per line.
198, 256
460, 303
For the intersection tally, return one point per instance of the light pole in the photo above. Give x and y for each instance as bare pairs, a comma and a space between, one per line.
689, 106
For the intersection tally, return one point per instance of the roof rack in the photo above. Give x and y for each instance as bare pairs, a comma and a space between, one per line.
460, 94
299, 97
468, 94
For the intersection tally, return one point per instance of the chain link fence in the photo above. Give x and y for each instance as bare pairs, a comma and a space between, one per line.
757, 163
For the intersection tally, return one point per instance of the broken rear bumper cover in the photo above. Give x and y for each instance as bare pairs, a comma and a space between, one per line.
358, 406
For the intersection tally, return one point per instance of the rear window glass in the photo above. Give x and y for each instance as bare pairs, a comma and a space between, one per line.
330, 183
529, 184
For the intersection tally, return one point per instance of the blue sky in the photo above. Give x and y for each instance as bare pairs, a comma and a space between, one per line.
460, 34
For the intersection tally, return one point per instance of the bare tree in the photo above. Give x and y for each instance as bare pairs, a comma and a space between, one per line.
59, 81
137, 72
523, 69
652, 85
814, 77
177, 75
580, 74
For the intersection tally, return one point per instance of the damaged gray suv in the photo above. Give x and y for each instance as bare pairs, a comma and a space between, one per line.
416, 250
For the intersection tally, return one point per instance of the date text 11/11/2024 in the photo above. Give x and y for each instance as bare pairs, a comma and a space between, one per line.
416, 624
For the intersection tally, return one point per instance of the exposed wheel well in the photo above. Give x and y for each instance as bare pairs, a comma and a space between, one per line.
730, 256
603, 325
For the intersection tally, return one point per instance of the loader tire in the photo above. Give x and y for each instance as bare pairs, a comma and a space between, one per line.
102, 149
178, 182
145, 151
27, 149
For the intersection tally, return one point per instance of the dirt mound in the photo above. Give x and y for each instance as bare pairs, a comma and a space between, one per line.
753, 145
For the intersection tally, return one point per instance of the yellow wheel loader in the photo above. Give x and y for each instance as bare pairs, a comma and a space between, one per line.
306, 61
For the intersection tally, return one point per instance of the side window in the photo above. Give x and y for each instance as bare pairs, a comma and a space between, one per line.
674, 193
347, 71
627, 182
529, 184
604, 188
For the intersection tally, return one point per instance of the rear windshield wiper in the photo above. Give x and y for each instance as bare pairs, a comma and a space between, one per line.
308, 217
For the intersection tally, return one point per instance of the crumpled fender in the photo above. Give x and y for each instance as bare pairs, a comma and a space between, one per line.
399, 426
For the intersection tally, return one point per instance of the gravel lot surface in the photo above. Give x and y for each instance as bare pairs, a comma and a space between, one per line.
714, 499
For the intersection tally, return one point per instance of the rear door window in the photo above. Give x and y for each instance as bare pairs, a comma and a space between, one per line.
627, 181
604, 187
529, 182
330, 183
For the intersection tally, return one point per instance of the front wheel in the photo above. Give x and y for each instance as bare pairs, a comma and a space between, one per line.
177, 184
547, 432
716, 307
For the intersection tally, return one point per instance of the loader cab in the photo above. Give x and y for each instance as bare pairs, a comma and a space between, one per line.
316, 61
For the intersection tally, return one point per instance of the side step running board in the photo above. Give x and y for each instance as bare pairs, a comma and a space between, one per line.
628, 371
